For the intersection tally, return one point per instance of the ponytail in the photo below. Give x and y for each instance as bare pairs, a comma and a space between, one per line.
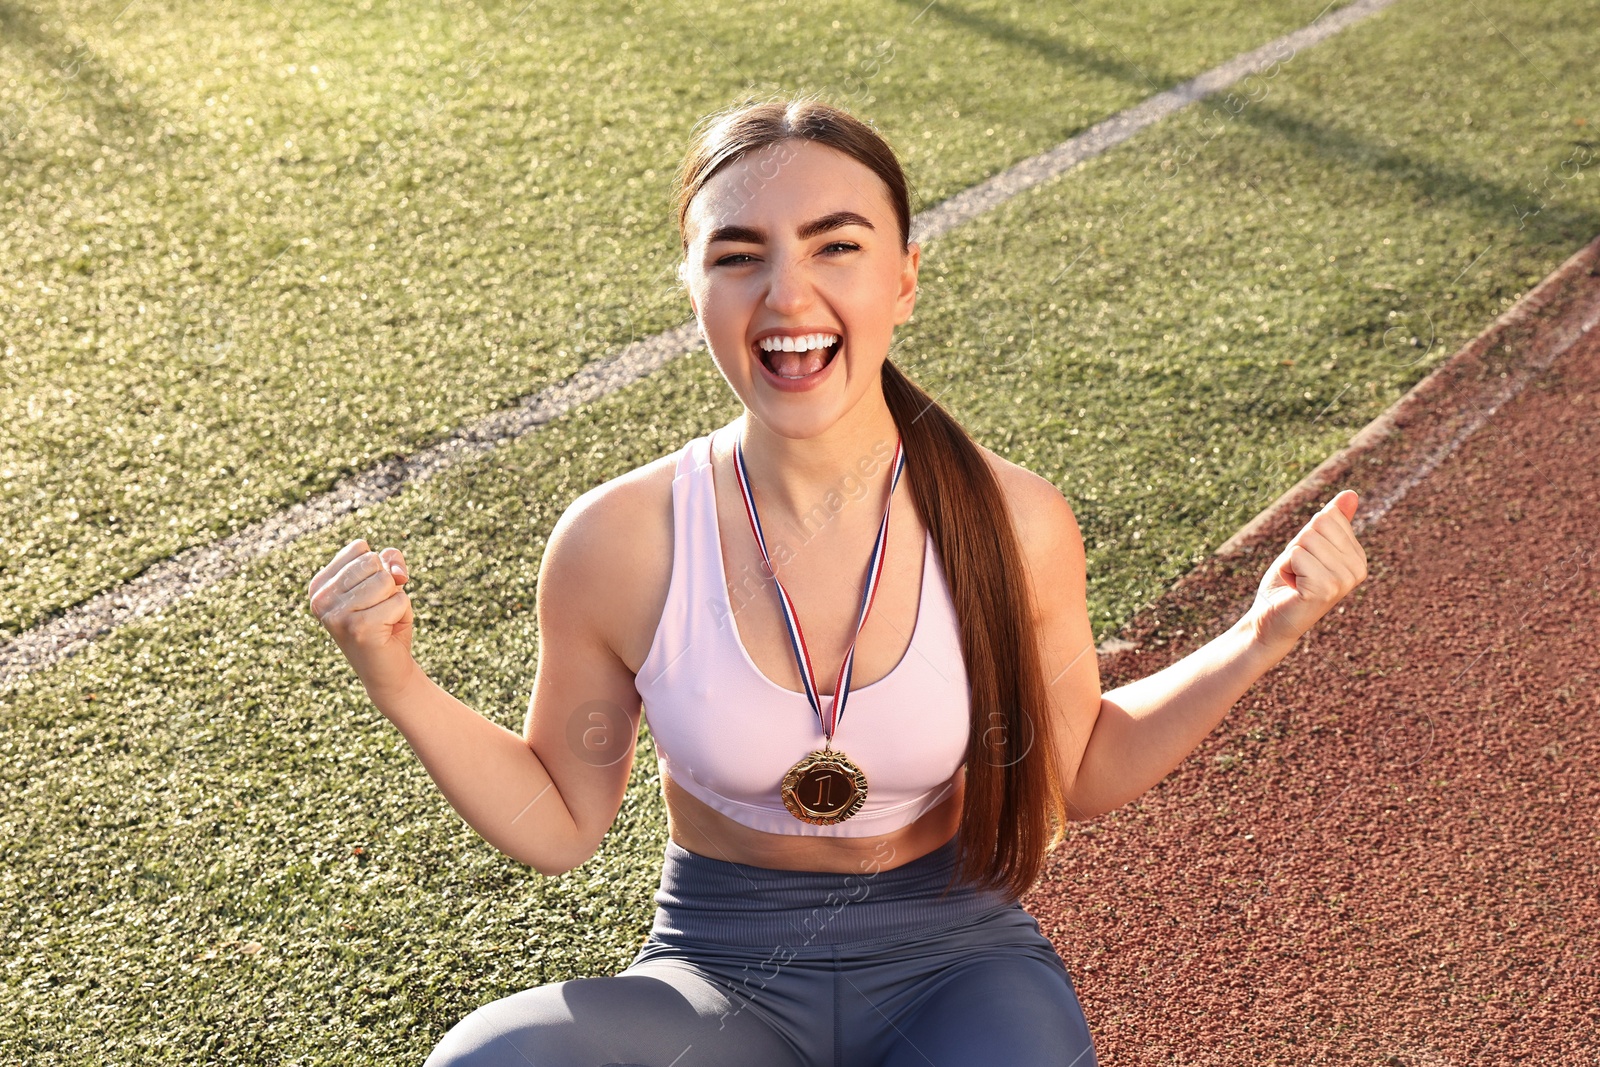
1014, 809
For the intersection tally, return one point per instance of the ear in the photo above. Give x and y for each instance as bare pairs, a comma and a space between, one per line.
683, 280
905, 300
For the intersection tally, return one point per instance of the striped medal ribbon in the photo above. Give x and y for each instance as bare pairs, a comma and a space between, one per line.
823, 787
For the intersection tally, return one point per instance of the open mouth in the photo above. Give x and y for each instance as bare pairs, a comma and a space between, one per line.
793, 358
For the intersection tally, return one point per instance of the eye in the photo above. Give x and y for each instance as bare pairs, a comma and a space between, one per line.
739, 259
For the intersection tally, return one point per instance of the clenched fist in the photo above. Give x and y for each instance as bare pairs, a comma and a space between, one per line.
1321, 563
358, 598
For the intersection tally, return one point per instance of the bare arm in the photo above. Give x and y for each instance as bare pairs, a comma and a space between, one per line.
489, 774
546, 798
1146, 728
1112, 747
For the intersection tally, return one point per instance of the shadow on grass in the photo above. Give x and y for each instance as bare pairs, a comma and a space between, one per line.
83, 80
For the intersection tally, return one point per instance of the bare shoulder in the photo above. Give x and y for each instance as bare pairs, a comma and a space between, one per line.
603, 517
1039, 510
1046, 527
611, 553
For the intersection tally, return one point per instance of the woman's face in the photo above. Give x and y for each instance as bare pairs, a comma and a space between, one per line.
793, 246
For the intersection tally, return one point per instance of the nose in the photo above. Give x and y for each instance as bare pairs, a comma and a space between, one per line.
789, 290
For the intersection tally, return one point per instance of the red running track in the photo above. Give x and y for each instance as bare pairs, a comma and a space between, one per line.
1389, 851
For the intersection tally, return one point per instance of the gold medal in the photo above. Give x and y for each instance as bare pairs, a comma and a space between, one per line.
824, 788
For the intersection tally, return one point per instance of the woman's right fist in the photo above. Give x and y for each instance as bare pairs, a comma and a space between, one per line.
358, 599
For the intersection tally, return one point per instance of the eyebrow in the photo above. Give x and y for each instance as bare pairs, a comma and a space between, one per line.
822, 224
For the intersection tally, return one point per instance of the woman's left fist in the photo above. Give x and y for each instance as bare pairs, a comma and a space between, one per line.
1321, 563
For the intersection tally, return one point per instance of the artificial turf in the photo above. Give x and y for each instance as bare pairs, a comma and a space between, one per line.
217, 851
250, 249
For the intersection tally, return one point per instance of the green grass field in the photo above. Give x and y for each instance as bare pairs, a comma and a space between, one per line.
312, 240
215, 849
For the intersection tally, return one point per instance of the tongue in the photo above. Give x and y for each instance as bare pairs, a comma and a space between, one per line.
797, 364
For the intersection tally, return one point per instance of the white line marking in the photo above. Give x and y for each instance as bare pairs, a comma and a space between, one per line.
194, 569
986, 195
1378, 507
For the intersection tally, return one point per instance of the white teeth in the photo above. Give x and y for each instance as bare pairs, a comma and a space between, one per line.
798, 344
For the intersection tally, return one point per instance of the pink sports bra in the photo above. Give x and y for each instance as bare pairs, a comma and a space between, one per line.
727, 733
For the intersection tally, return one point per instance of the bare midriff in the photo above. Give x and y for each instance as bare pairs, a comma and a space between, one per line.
707, 832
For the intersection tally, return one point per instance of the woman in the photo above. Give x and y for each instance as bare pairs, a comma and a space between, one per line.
841, 878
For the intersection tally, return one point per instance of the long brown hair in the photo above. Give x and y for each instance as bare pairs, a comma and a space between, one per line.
1014, 810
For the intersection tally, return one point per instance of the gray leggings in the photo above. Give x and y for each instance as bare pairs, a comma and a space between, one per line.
754, 965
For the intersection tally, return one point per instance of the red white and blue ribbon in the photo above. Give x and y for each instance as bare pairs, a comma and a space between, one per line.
802, 655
